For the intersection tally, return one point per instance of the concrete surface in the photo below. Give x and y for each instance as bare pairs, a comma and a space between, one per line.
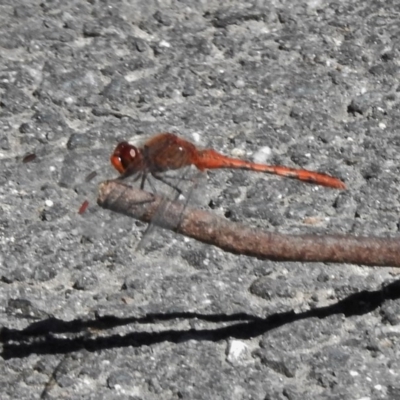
84, 316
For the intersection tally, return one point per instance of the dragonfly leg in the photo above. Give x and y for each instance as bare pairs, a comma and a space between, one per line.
125, 175
143, 181
152, 187
163, 180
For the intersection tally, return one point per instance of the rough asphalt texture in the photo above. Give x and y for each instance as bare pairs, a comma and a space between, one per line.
84, 316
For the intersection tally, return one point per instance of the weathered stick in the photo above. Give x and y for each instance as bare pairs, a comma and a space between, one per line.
238, 239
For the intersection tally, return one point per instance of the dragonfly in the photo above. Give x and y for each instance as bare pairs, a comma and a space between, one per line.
167, 151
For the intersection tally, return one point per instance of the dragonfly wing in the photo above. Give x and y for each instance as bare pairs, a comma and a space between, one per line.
166, 168
173, 185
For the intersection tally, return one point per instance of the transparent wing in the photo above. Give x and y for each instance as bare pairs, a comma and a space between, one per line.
172, 186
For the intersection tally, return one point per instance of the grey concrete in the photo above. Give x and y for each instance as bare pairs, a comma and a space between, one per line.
84, 316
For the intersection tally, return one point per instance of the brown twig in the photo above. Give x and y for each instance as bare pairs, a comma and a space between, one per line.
238, 239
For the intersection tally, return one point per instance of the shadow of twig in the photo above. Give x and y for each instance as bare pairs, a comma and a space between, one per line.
39, 337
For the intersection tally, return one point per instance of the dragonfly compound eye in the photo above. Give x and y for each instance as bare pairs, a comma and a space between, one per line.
123, 156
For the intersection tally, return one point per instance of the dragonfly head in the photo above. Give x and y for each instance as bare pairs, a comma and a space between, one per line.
125, 155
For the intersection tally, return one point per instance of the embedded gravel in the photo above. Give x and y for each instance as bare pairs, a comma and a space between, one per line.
84, 315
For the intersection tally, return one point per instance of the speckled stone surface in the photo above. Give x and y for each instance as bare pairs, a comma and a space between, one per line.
85, 316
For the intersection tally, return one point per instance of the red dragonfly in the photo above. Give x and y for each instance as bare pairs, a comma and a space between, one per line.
167, 151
